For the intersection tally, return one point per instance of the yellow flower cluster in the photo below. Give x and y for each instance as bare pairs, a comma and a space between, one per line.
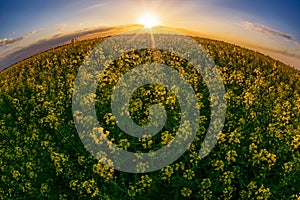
140, 186
99, 135
264, 157
218, 165
124, 143
58, 160
179, 166
263, 193
146, 142
105, 171
231, 156
295, 141
291, 166
186, 192
194, 156
296, 196
255, 192
109, 119
166, 138
228, 177
167, 173
205, 190
189, 174
86, 187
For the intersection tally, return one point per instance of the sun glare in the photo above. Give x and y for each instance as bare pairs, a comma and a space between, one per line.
148, 21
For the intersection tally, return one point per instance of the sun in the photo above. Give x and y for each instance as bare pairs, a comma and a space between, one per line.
148, 21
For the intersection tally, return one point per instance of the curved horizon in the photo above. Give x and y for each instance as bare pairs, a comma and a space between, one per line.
257, 25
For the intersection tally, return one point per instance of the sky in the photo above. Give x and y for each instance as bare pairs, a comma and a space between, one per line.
272, 27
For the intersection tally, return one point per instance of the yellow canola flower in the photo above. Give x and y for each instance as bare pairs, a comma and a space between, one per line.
166, 138
188, 174
186, 192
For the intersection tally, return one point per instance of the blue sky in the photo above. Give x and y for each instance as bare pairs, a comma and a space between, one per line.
272, 26
281, 15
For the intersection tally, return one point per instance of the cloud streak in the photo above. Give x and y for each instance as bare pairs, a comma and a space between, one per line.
8, 41
284, 44
18, 54
60, 27
264, 29
98, 5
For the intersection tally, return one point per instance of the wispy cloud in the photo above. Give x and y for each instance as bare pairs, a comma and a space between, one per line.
283, 43
98, 5
17, 53
264, 29
8, 41
60, 27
